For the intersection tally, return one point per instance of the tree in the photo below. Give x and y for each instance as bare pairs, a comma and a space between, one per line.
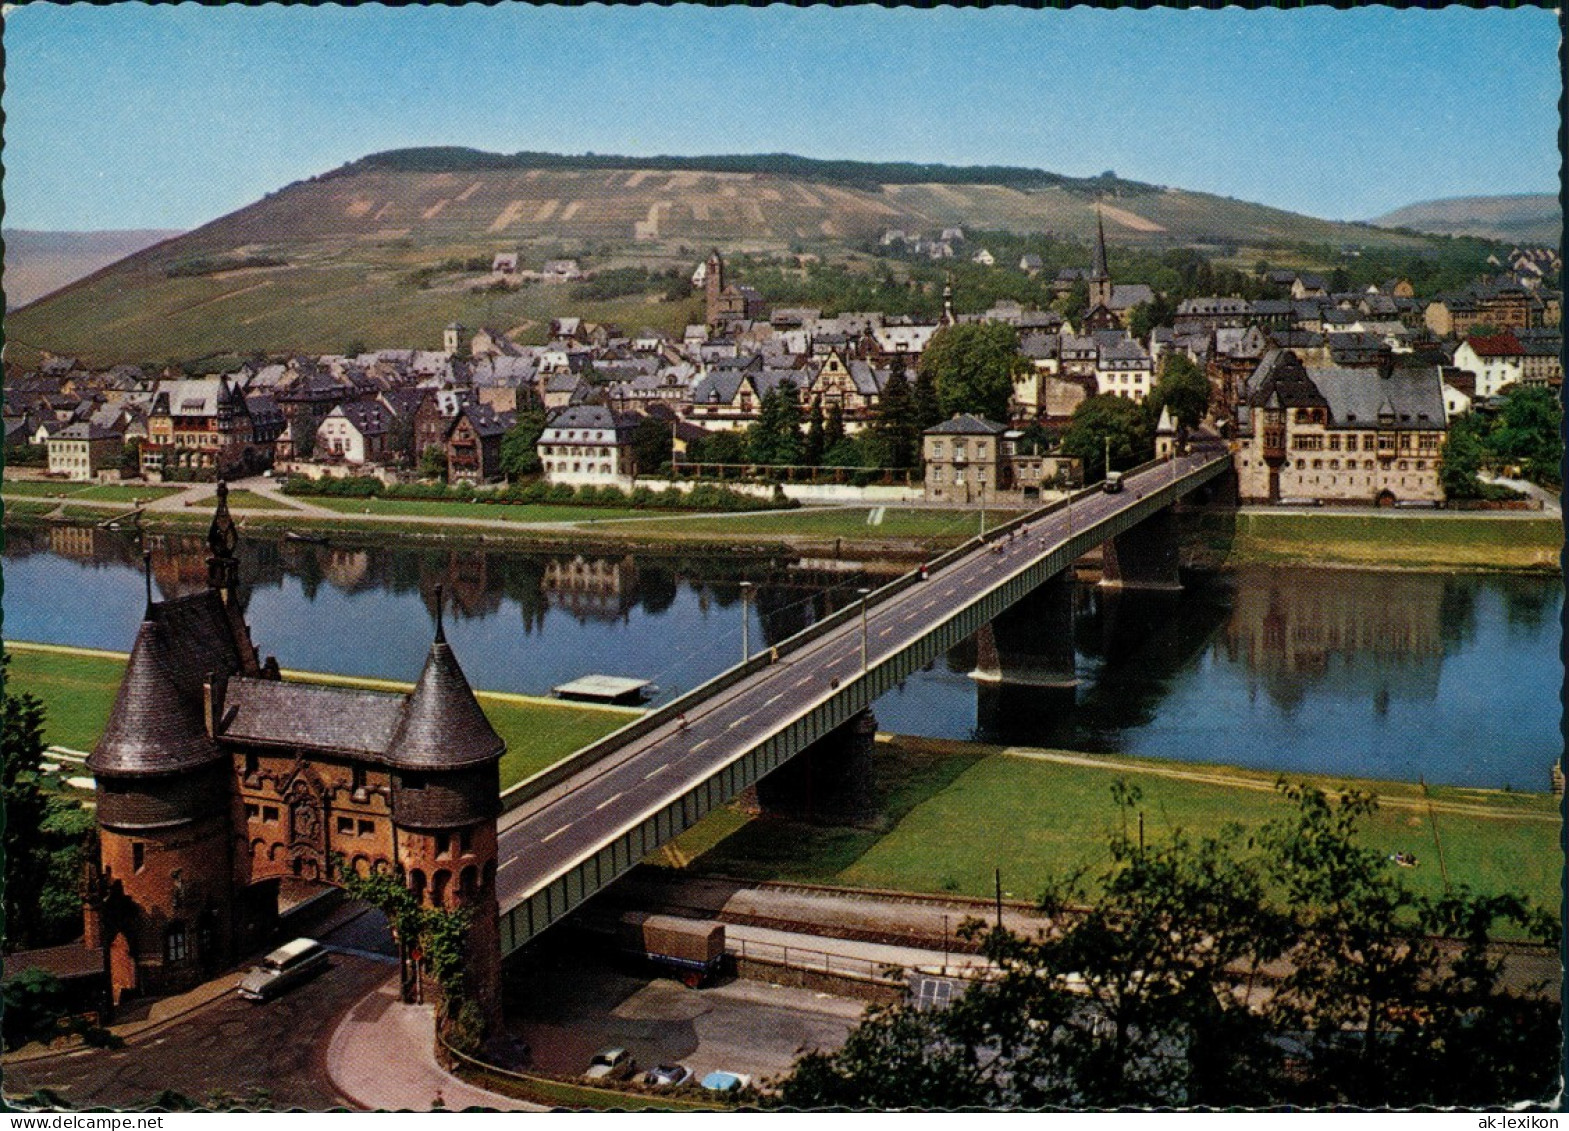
1462, 458
1144, 317
45, 834
833, 431
812, 452
927, 406
972, 365
433, 462
776, 436
1073, 305
652, 445
520, 445
1150, 994
1099, 419
895, 427
1183, 389
1528, 432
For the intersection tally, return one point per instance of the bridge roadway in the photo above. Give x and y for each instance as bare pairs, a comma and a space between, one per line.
572, 830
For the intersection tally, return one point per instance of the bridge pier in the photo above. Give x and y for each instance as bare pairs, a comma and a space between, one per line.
1030, 645
830, 778
1144, 557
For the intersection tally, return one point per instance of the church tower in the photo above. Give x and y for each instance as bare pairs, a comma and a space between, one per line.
714, 286
1100, 275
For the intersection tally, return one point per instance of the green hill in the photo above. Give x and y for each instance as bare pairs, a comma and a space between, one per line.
1533, 218
388, 249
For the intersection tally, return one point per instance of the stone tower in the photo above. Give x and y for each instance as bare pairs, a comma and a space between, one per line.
446, 795
714, 286
1100, 275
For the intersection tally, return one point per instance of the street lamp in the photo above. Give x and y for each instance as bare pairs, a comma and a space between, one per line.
1108, 457
863, 593
746, 609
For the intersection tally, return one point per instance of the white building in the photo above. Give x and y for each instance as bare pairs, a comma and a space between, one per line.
587, 445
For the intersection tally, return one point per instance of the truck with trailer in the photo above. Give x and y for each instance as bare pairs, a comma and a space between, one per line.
692, 950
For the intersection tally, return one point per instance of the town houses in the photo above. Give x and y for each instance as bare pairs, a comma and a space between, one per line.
1332, 364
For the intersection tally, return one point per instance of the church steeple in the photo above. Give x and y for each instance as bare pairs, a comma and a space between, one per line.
1100, 274
1098, 269
948, 318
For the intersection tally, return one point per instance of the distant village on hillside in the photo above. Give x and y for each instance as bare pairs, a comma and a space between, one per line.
1325, 396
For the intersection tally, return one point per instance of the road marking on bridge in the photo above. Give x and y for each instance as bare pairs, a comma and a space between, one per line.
696, 746
738, 722
656, 773
507, 864
776, 698
609, 800
804, 682
554, 835
889, 629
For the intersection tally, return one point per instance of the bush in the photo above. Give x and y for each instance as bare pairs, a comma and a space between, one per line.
354, 487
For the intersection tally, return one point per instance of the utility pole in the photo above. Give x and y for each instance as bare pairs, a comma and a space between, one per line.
864, 593
998, 873
746, 594
1108, 456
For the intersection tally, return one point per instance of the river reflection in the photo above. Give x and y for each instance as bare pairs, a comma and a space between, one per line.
1454, 678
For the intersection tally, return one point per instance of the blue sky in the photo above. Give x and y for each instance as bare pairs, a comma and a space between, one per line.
160, 116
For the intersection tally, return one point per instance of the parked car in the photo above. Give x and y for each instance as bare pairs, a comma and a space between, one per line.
667, 1076
289, 964
610, 1064
726, 1081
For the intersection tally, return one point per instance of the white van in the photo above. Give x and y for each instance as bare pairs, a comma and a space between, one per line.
293, 962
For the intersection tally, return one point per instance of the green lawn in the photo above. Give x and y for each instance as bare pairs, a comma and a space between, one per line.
436, 508
18, 507
953, 813
86, 492
1382, 539
908, 523
78, 692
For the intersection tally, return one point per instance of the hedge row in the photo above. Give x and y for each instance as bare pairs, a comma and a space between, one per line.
703, 497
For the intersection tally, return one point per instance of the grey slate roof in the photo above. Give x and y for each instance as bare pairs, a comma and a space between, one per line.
339, 720
965, 424
157, 725
442, 725
1406, 399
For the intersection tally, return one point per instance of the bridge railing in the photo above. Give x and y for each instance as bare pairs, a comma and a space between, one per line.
552, 776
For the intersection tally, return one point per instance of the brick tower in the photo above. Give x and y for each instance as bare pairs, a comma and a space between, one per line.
159, 896
446, 795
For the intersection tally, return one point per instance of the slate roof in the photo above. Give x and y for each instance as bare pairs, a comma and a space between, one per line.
1406, 399
369, 418
966, 424
157, 725
442, 725
339, 720
1125, 296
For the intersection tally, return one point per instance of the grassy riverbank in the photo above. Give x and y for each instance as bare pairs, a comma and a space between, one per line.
1410, 540
950, 812
77, 688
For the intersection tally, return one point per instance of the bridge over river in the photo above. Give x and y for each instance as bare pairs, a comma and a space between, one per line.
572, 829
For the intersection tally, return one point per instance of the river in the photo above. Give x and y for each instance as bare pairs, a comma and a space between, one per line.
1454, 678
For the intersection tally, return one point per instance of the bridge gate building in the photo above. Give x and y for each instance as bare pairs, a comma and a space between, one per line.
216, 779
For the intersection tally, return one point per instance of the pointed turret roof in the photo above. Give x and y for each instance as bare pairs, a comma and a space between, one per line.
158, 724
443, 727
1166, 427
1098, 269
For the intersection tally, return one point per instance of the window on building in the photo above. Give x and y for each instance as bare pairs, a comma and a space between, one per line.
270, 814
357, 776
176, 943
466, 841
252, 811
138, 856
443, 844
367, 828
346, 826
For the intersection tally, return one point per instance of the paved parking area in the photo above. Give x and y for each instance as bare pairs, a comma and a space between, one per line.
568, 1005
